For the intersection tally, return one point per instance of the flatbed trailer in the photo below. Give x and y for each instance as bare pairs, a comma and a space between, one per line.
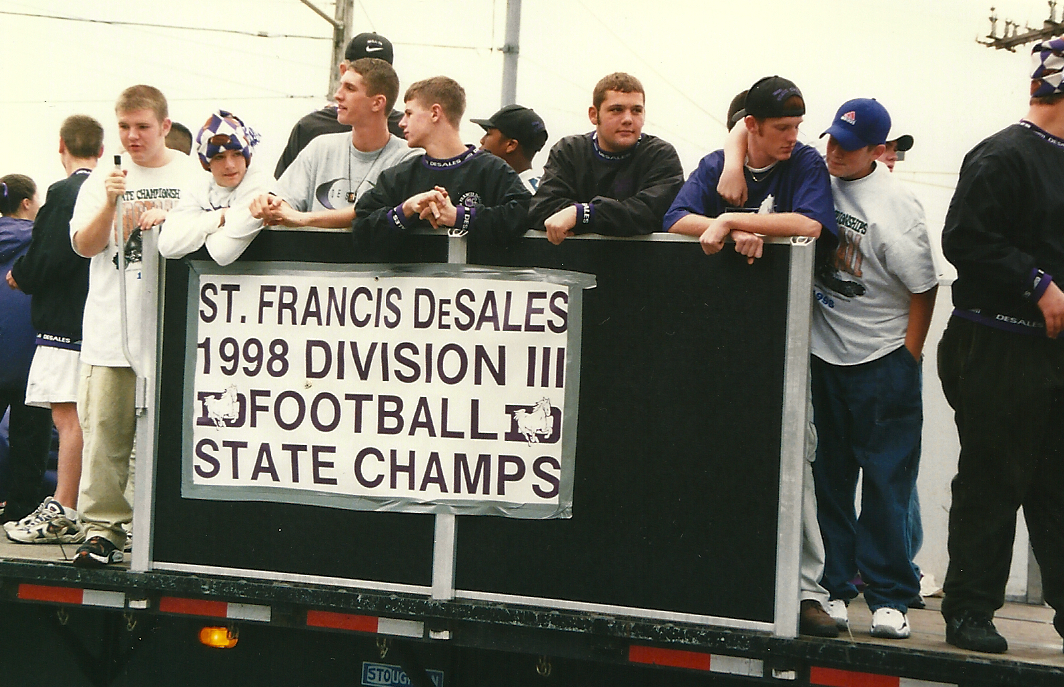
116, 627
674, 561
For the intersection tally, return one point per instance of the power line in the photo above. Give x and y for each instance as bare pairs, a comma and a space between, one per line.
926, 183
907, 171
477, 48
80, 101
114, 22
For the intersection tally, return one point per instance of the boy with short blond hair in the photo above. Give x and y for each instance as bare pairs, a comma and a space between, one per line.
149, 183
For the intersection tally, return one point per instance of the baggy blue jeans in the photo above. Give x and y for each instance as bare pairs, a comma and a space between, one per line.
868, 419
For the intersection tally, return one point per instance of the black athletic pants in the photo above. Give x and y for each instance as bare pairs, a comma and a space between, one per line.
29, 438
1007, 391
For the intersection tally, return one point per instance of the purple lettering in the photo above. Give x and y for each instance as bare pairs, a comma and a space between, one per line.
397, 468
235, 447
294, 450
422, 419
434, 474
359, 459
286, 302
551, 479
301, 410
531, 309
505, 477
318, 345
315, 416
562, 313
263, 301
312, 309
264, 463
358, 399
423, 296
360, 291
207, 458
461, 470
395, 414
206, 291
319, 464
444, 432
463, 364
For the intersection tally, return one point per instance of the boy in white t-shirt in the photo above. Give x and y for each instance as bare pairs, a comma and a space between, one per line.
873, 305
320, 187
149, 183
214, 211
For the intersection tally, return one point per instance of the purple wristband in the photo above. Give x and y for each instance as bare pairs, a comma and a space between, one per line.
584, 214
399, 218
1040, 281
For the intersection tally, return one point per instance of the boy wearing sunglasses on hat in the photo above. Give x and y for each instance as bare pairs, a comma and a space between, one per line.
214, 211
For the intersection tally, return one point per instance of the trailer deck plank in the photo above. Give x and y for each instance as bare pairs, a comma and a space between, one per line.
44, 553
1028, 628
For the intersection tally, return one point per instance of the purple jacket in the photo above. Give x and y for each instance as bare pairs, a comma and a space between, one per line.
17, 336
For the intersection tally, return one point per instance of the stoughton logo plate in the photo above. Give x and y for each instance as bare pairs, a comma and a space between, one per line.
384, 675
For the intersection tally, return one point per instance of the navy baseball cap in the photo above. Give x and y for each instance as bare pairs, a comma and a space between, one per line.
771, 97
858, 123
520, 123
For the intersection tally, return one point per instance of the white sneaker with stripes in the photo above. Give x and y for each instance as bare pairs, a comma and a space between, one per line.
51, 523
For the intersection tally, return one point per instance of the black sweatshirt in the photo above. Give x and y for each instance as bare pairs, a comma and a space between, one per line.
491, 200
620, 195
1004, 231
50, 271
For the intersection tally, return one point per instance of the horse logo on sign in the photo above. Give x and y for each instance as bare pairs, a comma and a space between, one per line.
531, 424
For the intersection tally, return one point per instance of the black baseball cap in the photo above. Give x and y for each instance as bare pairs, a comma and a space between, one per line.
905, 141
737, 109
769, 98
520, 123
369, 45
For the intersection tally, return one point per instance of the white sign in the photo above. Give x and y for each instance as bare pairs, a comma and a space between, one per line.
435, 389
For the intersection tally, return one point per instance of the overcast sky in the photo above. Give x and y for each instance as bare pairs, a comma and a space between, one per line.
918, 57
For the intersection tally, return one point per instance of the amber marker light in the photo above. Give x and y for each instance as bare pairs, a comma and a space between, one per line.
218, 637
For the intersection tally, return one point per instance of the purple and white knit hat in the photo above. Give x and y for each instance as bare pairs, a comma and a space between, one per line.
224, 131
1047, 59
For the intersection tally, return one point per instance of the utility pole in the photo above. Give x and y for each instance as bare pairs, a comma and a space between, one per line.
1012, 36
510, 51
341, 24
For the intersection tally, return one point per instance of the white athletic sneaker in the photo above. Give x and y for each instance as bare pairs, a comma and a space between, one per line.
890, 623
838, 612
52, 524
32, 517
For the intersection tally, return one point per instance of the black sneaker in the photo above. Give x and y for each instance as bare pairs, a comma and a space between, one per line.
975, 631
96, 553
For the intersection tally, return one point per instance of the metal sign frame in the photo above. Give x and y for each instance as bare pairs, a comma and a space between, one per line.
793, 418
